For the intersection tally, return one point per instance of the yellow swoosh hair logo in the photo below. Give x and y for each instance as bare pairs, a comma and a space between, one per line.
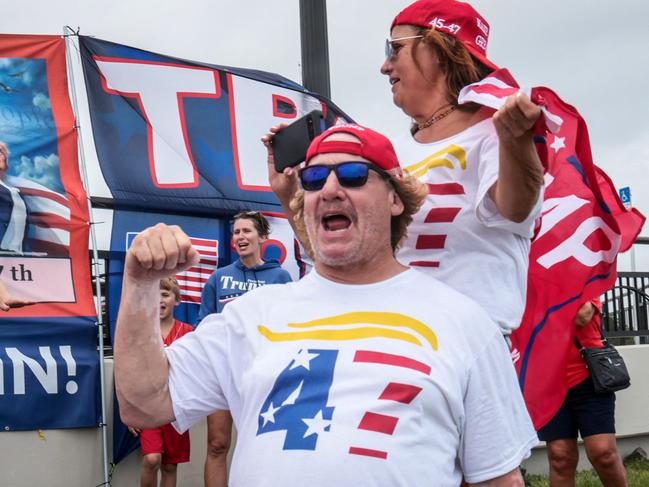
394, 325
444, 158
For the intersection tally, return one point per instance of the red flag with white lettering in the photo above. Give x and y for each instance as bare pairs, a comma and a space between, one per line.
573, 257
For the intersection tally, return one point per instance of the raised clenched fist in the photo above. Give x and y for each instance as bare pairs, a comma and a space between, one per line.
158, 252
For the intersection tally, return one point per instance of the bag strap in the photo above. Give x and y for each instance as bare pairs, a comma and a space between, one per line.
604, 340
602, 337
580, 347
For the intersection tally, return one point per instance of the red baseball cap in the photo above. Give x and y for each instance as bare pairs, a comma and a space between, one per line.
373, 146
457, 19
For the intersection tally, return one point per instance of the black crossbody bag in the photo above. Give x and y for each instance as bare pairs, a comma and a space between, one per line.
606, 367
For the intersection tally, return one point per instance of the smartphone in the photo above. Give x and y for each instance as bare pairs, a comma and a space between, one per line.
292, 142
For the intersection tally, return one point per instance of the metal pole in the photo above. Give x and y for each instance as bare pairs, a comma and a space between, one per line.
67, 32
315, 46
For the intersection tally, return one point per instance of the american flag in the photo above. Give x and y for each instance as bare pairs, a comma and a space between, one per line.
49, 217
193, 280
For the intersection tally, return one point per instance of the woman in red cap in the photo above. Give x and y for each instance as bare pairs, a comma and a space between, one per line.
480, 165
483, 173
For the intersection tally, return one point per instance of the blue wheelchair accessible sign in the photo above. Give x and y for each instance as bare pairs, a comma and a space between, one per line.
625, 196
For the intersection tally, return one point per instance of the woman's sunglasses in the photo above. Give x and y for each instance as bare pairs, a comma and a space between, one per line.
351, 174
389, 47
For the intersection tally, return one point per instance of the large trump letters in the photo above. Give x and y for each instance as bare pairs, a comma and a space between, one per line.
177, 135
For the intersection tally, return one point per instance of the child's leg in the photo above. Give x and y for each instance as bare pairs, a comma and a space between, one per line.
149, 473
168, 478
176, 450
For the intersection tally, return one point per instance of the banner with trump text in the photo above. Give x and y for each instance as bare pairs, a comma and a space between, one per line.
573, 256
48, 358
572, 259
178, 135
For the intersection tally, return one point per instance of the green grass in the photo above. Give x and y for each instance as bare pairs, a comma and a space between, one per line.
637, 473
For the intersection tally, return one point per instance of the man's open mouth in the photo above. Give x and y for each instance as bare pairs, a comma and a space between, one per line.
335, 222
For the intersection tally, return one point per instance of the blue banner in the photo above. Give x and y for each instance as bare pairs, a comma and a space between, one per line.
177, 135
49, 374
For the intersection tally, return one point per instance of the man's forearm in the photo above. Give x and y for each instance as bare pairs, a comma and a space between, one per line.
141, 367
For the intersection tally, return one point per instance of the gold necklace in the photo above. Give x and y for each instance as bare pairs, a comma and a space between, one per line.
435, 118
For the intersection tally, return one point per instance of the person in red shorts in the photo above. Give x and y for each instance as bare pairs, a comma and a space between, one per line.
586, 412
164, 448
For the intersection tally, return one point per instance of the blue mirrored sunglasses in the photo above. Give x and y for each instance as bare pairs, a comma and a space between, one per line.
352, 174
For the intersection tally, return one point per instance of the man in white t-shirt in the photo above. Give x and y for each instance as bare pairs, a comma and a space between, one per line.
364, 372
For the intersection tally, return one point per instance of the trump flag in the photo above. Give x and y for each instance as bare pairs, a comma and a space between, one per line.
49, 367
177, 135
573, 256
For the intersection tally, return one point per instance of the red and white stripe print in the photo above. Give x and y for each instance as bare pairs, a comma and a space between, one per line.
437, 215
493, 91
394, 392
193, 280
49, 218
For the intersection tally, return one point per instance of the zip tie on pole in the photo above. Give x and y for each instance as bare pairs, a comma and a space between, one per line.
73, 34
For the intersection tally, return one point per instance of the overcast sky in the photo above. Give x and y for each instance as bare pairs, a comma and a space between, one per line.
592, 52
